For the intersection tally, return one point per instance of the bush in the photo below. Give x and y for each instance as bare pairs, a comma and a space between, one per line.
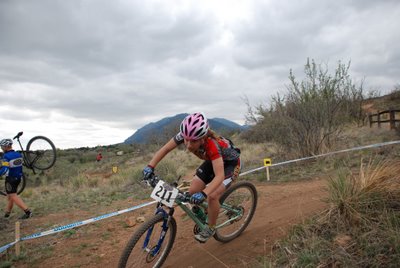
310, 117
395, 94
360, 229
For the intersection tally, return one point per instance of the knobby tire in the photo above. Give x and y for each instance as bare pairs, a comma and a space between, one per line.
20, 188
128, 254
46, 146
232, 196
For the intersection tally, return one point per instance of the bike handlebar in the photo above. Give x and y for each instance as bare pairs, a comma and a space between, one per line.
153, 180
183, 196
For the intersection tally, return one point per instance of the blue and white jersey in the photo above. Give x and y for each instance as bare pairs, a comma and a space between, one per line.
11, 164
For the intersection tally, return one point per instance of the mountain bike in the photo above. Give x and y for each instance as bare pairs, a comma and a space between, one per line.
150, 245
40, 154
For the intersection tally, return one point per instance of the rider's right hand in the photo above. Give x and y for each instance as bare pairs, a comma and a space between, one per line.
148, 172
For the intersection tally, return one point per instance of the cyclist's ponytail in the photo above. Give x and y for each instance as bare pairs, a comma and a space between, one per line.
212, 134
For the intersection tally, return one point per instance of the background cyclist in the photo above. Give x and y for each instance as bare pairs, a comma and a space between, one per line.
220, 167
11, 167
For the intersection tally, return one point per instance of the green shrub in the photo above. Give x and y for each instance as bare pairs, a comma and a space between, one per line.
361, 228
78, 181
312, 114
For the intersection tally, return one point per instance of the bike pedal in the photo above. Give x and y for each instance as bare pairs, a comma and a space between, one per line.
202, 242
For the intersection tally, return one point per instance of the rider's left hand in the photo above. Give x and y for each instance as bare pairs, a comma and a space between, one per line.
198, 198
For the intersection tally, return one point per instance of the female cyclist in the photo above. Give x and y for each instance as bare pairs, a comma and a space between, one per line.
220, 167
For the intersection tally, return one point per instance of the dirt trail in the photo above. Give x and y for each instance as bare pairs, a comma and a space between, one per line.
279, 207
100, 245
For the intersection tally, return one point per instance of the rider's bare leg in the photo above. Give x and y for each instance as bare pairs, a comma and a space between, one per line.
14, 198
198, 185
214, 205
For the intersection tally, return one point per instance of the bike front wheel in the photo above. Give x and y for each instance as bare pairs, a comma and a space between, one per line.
41, 152
241, 202
21, 186
147, 246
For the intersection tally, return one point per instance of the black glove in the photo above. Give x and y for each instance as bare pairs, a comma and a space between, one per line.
148, 172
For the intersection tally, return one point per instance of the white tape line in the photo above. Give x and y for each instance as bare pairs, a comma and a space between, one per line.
326, 154
5, 247
80, 223
75, 224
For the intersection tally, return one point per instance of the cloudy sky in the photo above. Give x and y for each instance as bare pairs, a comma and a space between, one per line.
91, 72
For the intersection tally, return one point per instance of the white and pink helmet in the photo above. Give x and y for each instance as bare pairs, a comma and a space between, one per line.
194, 126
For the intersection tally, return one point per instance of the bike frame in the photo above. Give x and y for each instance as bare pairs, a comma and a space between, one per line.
191, 214
154, 240
26, 162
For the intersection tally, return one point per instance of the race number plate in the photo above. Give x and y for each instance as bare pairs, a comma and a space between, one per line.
164, 193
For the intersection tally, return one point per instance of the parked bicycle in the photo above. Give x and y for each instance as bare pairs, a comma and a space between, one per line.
150, 245
40, 154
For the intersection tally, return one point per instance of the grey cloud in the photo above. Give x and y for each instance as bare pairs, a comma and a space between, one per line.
282, 33
111, 34
290, 32
125, 63
94, 55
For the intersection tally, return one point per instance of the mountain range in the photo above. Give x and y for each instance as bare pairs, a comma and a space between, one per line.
167, 127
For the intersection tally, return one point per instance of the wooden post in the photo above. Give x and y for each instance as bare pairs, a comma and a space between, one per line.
392, 119
17, 237
379, 119
267, 163
370, 119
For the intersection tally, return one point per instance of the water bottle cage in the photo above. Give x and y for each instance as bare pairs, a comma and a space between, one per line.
200, 213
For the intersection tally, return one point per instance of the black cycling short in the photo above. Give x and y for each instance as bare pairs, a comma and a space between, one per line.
12, 185
231, 168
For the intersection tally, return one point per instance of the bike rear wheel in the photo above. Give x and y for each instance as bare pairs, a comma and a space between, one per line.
136, 254
41, 152
241, 196
20, 189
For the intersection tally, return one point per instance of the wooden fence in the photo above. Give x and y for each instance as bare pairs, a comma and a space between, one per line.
388, 116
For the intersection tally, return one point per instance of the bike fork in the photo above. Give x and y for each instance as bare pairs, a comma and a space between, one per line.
155, 250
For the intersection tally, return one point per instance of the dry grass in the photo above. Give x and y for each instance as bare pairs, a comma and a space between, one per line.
361, 227
358, 196
382, 177
366, 196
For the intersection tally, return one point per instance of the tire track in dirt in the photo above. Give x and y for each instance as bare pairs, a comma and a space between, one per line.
279, 207
100, 245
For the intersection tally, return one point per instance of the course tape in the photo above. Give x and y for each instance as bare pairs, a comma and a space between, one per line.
326, 154
75, 224
80, 223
